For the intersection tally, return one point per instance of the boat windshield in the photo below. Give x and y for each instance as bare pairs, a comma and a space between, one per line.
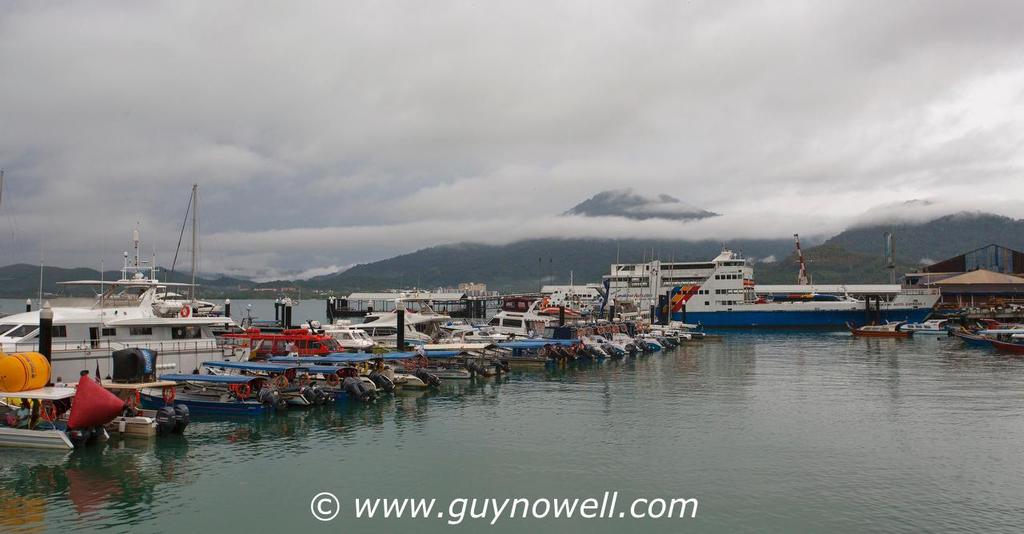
17, 330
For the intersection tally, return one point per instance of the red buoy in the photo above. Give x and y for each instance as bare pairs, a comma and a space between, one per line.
93, 405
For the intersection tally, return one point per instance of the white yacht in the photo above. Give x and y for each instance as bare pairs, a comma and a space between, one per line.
519, 317
350, 338
125, 313
420, 326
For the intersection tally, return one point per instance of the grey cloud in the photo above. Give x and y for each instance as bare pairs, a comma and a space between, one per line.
416, 123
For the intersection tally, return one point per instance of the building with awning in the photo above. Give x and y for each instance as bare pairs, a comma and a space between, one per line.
981, 288
991, 276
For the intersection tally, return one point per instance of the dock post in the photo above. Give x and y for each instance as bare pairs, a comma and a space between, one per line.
668, 309
227, 308
561, 315
330, 310
28, 305
286, 307
277, 310
46, 331
400, 327
611, 312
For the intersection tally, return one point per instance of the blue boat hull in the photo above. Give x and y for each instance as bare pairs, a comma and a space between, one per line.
798, 319
205, 407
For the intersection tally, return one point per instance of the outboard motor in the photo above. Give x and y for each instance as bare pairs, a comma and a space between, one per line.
382, 382
475, 368
322, 396
501, 367
165, 420
81, 436
427, 378
272, 398
181, 418
356, 389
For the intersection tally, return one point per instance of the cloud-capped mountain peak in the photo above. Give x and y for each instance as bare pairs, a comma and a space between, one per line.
630, 204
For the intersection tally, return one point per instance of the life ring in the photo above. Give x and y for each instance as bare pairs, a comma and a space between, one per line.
333, 380
280, 381
48, 411
168, 396
185, 312
242, 391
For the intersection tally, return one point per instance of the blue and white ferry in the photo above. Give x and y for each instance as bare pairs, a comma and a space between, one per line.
722, 293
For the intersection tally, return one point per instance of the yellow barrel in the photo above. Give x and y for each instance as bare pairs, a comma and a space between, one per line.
23, 371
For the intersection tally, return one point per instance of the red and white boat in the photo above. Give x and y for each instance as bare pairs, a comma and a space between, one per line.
879, 330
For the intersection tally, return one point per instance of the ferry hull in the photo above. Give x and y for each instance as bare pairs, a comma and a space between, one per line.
799, 319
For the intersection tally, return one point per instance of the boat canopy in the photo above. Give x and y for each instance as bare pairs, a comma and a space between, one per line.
212, 379
344, 357
537, 343
252, 366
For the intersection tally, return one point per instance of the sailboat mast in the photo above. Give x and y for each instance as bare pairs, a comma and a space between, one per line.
195, 210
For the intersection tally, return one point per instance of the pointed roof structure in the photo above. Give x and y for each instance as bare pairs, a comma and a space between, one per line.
982, 276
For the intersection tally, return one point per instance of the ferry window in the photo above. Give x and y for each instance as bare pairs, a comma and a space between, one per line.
21, 330
707, 303
513, 322
186, 332
141, 330
495, 321
7, 327
109, 331
59, 331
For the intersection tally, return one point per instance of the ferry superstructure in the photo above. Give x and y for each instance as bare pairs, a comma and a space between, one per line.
722, 293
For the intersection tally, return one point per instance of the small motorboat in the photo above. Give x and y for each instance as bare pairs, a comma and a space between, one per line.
879, 330
15, 432
971, 338
220, 394
931, 326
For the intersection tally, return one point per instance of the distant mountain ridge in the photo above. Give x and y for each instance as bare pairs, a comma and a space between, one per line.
852, 256
21, 280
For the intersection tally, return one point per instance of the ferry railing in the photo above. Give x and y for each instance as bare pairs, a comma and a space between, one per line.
104, 345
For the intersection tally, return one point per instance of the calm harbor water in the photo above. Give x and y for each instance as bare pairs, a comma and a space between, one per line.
772, 432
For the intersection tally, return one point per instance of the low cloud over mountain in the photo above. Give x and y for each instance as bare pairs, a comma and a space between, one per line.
630, 204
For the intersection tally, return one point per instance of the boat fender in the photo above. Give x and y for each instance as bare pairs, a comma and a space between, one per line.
164, 420
181, 418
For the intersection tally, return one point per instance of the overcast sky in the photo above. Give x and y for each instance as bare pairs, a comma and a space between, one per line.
324, 134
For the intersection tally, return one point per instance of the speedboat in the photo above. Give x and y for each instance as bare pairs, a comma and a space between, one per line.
931, 326
350, 338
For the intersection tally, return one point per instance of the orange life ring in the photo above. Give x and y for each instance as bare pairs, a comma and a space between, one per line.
168, 395
48, 411
185, 312
242, 391
280, 381
333, 380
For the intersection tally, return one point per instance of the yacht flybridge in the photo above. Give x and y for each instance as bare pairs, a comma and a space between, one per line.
127, 313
